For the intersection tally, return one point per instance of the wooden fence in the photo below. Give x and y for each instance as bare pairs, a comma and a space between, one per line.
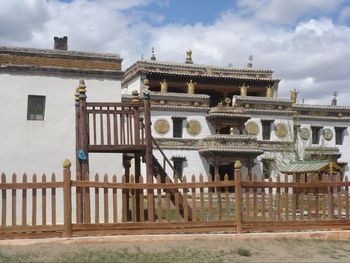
315, 202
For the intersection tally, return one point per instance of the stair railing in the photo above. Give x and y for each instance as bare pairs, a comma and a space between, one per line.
165, 158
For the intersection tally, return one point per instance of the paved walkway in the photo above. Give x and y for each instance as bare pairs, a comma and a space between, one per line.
333, 235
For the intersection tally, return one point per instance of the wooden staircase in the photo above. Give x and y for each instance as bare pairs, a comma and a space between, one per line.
122, 127
158, 170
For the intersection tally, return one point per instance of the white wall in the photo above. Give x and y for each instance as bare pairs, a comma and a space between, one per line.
41, 146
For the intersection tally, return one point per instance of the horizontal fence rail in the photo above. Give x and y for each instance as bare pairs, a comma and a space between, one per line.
120, 205
27, 206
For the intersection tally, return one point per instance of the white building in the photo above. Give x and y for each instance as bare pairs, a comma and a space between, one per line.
37, 100
38, 112
205, 117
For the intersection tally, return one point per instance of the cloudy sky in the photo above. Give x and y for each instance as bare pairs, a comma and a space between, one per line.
305, 42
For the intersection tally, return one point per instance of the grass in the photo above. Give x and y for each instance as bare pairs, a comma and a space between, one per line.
243, 252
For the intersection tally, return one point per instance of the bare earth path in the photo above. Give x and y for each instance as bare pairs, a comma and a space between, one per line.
281, 247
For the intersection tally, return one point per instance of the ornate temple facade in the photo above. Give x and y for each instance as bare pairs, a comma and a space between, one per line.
205, 117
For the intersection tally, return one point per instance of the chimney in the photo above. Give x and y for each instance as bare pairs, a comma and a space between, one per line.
60, 43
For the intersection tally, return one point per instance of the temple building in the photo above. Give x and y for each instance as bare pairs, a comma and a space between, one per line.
204, 117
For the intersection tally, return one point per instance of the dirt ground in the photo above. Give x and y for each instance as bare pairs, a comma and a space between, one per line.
189, 249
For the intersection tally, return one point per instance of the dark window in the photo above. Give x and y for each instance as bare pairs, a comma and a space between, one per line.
178, 166
316, 134
339, 135
267, 168
177, 127
36, 108
266, 129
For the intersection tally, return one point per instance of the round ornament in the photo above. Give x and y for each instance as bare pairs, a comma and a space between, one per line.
252, 128
193, 127
281, 130
327, 134
161, 126
304, 133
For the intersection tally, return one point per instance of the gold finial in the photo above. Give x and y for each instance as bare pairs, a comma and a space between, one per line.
237, 164
190, 87
293, 95
67, 164
82, 89
135, 96
269, 92
76, 96
146, 82
163, 86
244, 90
189, 56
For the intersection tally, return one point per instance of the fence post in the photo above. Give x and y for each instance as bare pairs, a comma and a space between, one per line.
238, 196
67, 199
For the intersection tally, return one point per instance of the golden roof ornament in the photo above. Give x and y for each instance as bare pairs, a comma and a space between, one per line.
269, 92
244, 90
190, 87
189, 56
163, 86
293, 96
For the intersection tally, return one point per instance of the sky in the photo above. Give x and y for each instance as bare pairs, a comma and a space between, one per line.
305, 42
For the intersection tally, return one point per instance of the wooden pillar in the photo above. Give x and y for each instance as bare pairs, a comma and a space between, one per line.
148, 138
238, 197
83, 154
137, 180
79, 199
149, 154
67, 199
127, 165
250, 169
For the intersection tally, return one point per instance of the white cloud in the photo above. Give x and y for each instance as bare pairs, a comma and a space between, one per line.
279, 11
311, 56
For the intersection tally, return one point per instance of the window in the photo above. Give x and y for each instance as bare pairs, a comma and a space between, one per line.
267, 168
339, 135
316, 134
266, 129
178, 166
177, 127
36, 108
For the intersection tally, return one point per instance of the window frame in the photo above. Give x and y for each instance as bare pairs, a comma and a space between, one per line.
32, 107
266, 135
339, 135
178, 127
178, 164
316, 130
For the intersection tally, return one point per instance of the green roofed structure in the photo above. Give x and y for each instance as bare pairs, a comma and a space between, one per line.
316, 166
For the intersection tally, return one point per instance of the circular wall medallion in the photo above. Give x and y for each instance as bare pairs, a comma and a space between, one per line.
252, 128
193, 127
281, 130
327, 134
304, 133
161, 126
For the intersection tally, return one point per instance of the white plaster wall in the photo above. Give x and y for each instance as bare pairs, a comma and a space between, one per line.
195, 164
41, 146
134, 84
